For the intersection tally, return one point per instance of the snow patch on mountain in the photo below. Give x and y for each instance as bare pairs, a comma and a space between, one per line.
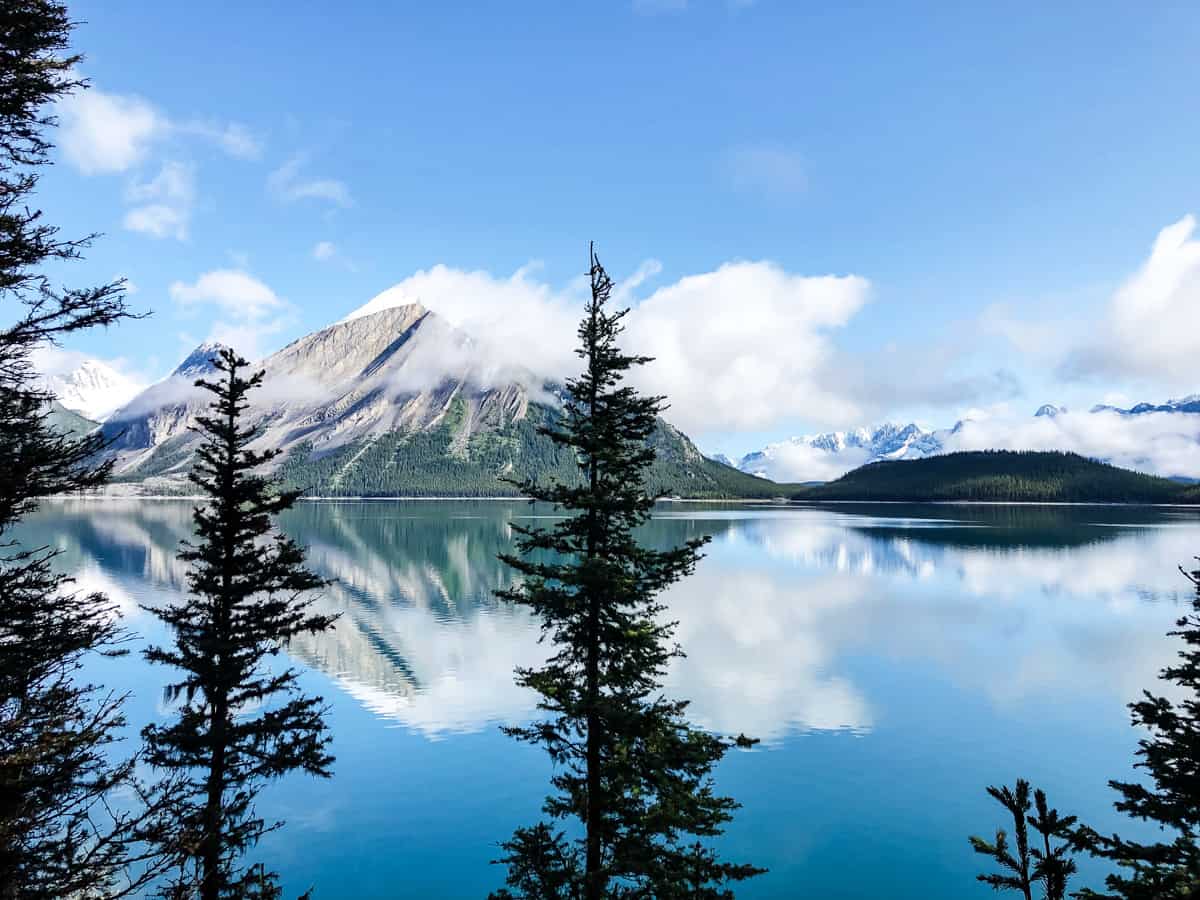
1157, 438
91, 388
825, 456
199, 362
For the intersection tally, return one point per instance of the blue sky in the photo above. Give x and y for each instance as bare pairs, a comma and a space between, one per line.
987, 183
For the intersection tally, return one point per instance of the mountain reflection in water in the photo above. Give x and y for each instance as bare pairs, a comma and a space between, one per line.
1008, 601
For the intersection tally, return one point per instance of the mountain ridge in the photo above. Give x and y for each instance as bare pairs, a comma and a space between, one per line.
826, 456
393, 403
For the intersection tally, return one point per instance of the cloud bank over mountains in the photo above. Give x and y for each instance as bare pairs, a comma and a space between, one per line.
1164, 442
742, 346
750, 345
745, 347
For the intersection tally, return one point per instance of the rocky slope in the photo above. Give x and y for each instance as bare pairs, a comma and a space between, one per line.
392, 403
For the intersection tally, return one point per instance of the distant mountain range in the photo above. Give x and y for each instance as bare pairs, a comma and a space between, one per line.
395, 402
828, 455
825, 456
1188, 404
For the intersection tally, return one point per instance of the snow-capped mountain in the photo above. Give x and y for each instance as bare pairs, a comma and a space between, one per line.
1159, 438
821, 457
92, 389
199, 362
1188, 404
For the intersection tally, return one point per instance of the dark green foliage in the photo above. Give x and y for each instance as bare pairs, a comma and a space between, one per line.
58, 837
629, 770
423, 464
1001, 476
241, 721
1021, 865
1169, 868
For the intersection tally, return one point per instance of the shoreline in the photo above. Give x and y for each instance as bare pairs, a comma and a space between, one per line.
749, 501
384, 499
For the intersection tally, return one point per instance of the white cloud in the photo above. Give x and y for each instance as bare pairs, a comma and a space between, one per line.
234, 138
164, 203
623, 292
288, 182
249, 311
777, 171
330, 253
799, 462
234, 292
524, 322
1159, 443
1151, 326
746, 345
253, 339
105, 133
1166, 444
743, 346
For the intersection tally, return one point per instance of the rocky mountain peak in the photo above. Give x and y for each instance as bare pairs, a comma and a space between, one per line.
347, 349
200, 361
93, 389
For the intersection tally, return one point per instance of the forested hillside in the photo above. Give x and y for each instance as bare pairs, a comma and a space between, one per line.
432, 463
1002, 475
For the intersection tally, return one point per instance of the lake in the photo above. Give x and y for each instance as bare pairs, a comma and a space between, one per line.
893, 660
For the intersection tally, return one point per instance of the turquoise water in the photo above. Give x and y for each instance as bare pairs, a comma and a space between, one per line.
894, 660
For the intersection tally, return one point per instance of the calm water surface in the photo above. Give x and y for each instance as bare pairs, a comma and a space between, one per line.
894, 660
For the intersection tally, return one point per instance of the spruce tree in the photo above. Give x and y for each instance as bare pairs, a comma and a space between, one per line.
629, 770
1022, 864
1166, 869
242, 721
59, 835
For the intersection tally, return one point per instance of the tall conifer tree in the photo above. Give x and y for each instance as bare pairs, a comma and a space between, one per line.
628, 768
1167, 869
242, 721
58, 835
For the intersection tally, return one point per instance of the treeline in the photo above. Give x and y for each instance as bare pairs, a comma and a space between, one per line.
1001, 476
495, 462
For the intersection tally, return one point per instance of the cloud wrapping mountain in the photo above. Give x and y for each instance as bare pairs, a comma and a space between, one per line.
742, 346
1160, 439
